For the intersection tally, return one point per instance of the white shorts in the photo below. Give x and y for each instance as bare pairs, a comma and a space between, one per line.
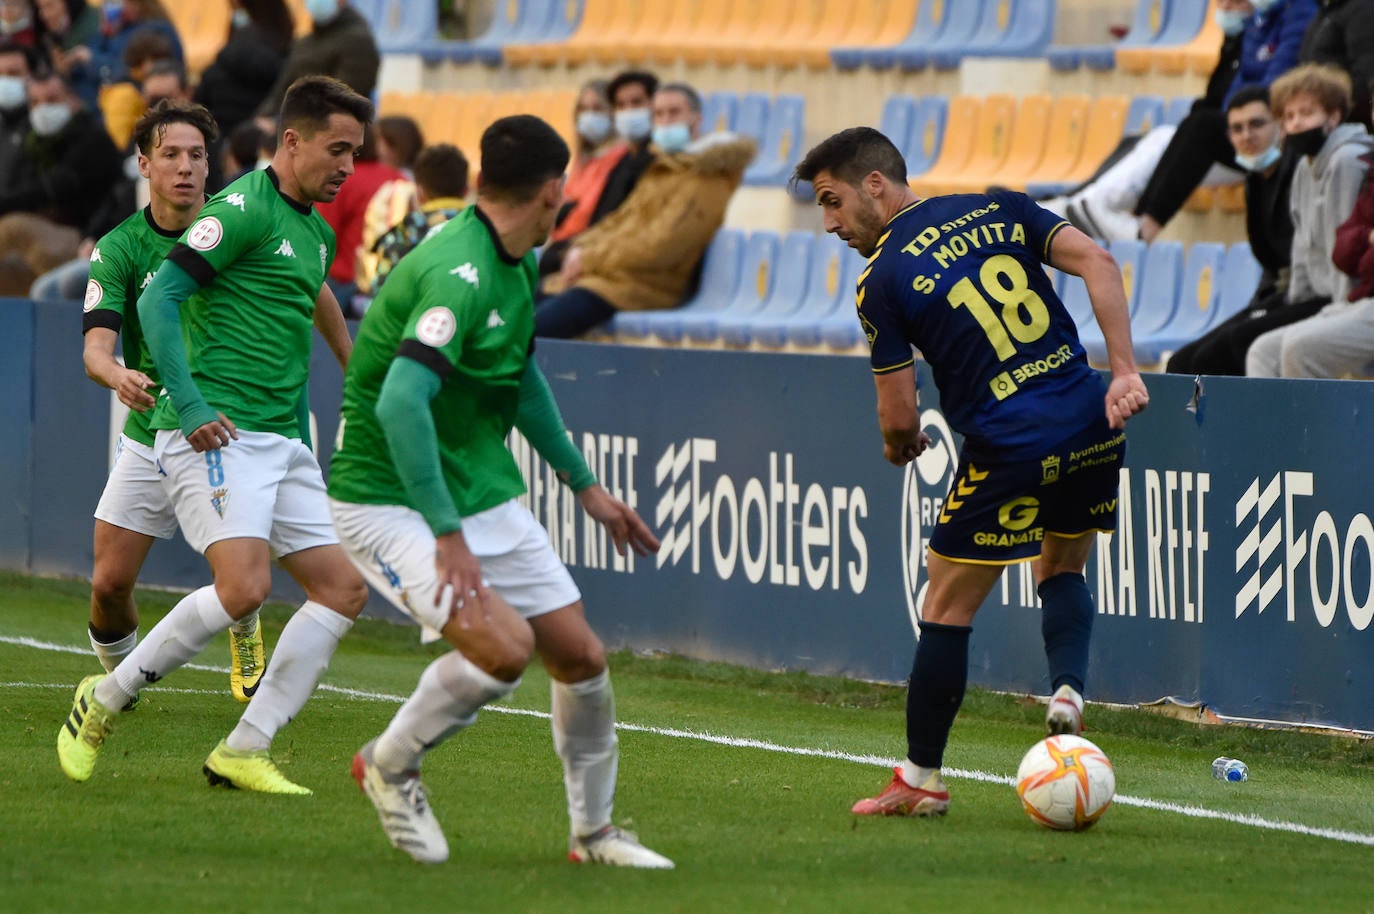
134, 498
261, 486
394, 549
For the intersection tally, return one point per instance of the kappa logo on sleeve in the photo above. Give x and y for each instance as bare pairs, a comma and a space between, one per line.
206, 234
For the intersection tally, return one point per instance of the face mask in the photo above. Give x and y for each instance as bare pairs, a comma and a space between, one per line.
12, 94
1307, 143
593, 126
50, 118
672, 137
634, 123
1232, 22
1260, 162
241, 18
9, 28
322, 12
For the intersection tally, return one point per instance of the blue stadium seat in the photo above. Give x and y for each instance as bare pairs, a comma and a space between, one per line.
1130, 257
840, 328
756, 275
1149, 21
807, 325
1199, 297
1074, 295
1176, 109
898, 112
927, 134
1240, 274
960, 25
790, 277
718, 111
1022, 29
751, 118
1146, 113
720, 277
1157, 298
924, 30
514, 21
781, 145
825, 290
401, 27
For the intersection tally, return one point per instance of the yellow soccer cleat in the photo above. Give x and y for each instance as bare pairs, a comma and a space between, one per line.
248, 771
80, 739
247, 661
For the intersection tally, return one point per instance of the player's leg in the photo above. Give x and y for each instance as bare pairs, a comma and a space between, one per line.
1066, 624
119, 555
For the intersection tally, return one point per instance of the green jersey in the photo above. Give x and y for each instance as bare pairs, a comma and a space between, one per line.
123, 262
461, 306
260, 259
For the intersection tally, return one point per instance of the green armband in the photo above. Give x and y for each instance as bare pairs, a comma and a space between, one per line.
159, 311
539, 421
404, 415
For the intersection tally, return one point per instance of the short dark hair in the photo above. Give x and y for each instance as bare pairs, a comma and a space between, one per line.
153, 124
403, 135
244, 141
520, 154
32, 60
1248, 95
310, 100
168, 68
692, 95
851, 155
145, 45
630, 77
441, 170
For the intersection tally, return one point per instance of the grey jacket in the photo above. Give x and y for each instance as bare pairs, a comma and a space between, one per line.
1323, 196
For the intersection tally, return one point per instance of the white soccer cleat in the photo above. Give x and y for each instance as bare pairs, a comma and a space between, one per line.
615, 847
1065, 714
403, 808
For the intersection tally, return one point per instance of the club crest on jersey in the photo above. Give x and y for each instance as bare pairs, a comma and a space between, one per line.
94, 294
219, 500
436, 327
206, 234
284, 249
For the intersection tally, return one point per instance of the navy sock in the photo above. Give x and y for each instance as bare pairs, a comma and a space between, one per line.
1067, 626
939, 675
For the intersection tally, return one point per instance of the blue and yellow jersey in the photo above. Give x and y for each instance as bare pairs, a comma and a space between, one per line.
961, 278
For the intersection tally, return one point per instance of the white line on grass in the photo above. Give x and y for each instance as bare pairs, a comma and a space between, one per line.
1196, 812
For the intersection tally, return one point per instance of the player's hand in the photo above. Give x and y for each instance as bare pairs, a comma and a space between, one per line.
213, 435
620, 520
1126, 396
901, 455
461, 590
132, 389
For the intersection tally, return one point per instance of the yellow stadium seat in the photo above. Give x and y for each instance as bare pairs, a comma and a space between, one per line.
991, 143
1230, 198
1203, 51
1101, 134
613, 36
651, 25
956, 149
835, 22
597, 15
303, 21
665, 46
203, 28
1022, 142
1067, 123
733, 30
1200, 200
781, 30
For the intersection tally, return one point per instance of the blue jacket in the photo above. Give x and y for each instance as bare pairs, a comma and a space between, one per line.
1270, 42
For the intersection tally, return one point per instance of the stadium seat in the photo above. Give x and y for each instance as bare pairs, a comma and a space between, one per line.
720, 277
1101, 132
202, 28
1240, 273
897, 20
895, 123
929, 21
513, 21
780, 145
1130, 257
1144, 114
1064, 139
992, 137
790, 277
1176, 109
1155, 290
1149, 19
783, 47
402, 26
1008, 28
1199, 297
615, 34
757, 273
718, 112
664, 47
825, 292
947, 48
1183, 20
806, 330
1022, 147
840, 329
927, 134
1074, 295
722, 28
956, 145
594, 18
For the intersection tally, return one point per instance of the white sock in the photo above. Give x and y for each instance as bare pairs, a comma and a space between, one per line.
299, 660
915, 775
111, 654
446, 700
182, 634
247, 625
584, 736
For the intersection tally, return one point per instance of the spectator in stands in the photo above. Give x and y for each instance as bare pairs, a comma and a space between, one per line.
17, 63
1314, 99
631, 94
441, 183
340, 45
645, 254
68, 166
18, 24
66, 24
100, 61
1146, 184
1255, 132
121, 102
1342, 34
246, 68
598, 152
399, 141
346, 213
240, 154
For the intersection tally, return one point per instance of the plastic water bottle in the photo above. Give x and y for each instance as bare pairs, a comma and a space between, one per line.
1230, 769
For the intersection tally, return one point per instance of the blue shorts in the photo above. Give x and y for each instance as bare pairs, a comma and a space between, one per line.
998, 510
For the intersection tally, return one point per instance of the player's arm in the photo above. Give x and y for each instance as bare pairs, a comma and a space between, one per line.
1076, 253
329, 321
106, 304
539, 420
894, 367
98, 355
899, 419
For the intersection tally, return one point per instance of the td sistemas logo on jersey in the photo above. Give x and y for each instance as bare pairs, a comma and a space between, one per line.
924, 486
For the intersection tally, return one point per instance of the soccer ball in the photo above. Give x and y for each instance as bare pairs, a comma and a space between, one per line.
1065, 782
